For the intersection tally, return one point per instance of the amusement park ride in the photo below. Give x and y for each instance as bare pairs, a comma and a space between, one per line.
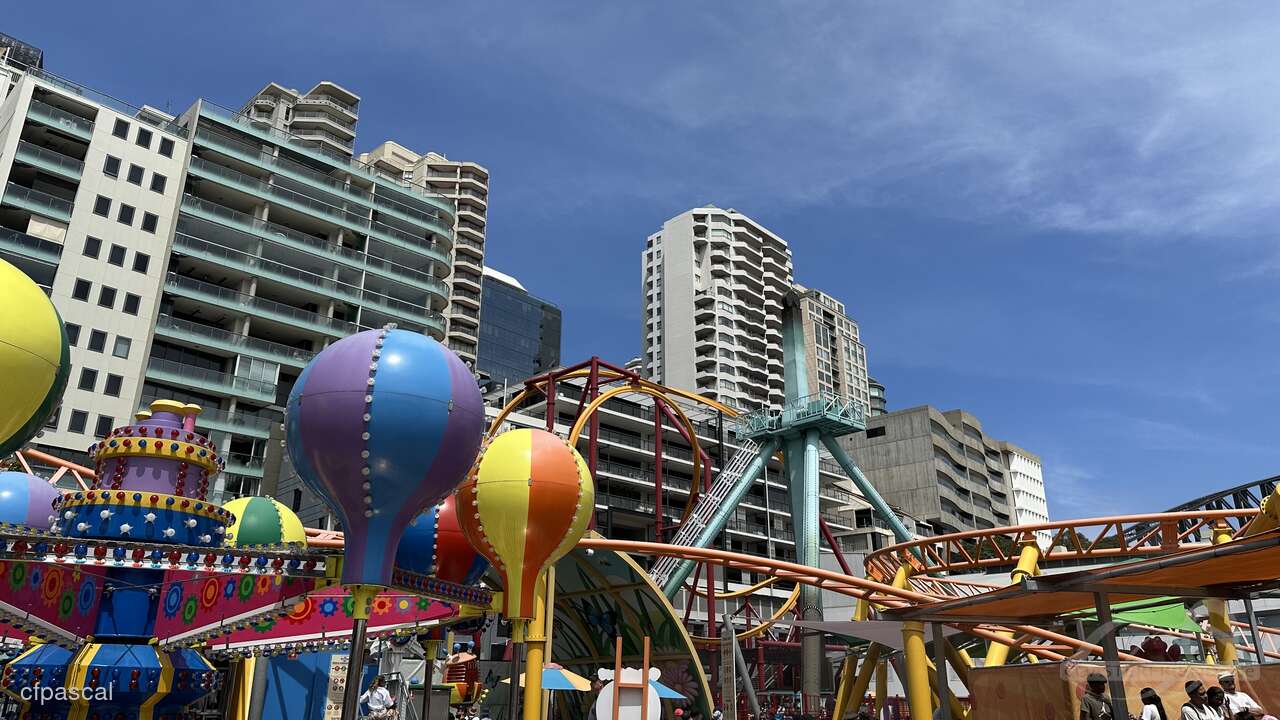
124, 591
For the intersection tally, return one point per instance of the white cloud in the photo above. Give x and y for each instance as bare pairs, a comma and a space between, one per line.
1152, 120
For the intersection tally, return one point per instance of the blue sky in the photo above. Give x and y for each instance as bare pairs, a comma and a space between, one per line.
1060, 218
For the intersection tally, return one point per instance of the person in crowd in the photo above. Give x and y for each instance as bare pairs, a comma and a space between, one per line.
1215, 698
1095, 705
1197, 707
378, 699
1152, 707
1237, 700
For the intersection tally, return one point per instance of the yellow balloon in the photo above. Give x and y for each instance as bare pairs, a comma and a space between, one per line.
34, 358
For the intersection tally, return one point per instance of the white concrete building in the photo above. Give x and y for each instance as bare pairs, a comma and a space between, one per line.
207, 258
835, 359
714, 282
467, 185
1026, 480
90, 191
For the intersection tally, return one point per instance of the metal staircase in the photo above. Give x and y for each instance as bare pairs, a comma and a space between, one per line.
706, 508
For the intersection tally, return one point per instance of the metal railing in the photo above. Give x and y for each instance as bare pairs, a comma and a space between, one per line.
313, 133
236, 341
37, 201
326, 117
59, 118
816, 405
326, 100
227, 296
229, 421
101, 98
216, 378
244, 462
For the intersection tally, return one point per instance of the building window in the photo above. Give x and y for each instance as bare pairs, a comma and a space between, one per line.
121, 129
52, 422
135, 174
144, 138
131, 302
97, 341
126, 214
111, 166
149, 221
116, 255
81, 290
158, 182
141, 261
166, 147
92, 246
112, 387
78, 420
107, 297
123, 344
104, 426
297, 500
88, 379
73, 333
102, 206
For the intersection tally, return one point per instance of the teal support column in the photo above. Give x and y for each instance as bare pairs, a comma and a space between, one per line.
722, 514
802, 470
900, 531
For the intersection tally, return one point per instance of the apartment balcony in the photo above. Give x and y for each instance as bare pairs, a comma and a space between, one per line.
468, 246
467, 261
310, 133
72, 125
311, 244
467, 281
265, 101
229, 299
54, 163
184, 375
30, 246
207, 336
324, 101
464, 348
323, 119
279, 272
460, 311
37, 202
476, 195
464, 296
335, 159
310, 206
438, 222
244, 464
235, 423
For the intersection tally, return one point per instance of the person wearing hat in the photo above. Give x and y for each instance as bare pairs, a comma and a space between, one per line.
1152, 707
1095, 705
1238, 701
1196, 707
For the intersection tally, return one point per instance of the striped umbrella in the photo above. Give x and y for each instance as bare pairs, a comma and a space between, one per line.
526, 505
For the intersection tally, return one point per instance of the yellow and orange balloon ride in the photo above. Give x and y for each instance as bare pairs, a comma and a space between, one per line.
526, 503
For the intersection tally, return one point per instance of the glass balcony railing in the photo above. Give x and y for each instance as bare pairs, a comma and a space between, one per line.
236, 423
46, 159
101, 98
315, 134
61, 119
326, 100
30, 246
282, 273
323, 117
244, 464
280, 234
197, 333
275, 135
161, 369
37, 202
302, 203
437, 221
251, 305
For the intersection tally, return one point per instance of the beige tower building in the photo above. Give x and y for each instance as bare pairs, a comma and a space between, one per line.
467, 184
834, 355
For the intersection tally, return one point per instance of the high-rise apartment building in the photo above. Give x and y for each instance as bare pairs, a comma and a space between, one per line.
1026, 479
714, 282
519, 333
467, 185
878, 405
835, 358
937, 466
209, 257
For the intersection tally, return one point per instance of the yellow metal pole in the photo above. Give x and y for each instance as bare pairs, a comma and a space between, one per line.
919, 691
550, 605
882, 687
535, 647
1219, 620
847, 675
1028, 559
